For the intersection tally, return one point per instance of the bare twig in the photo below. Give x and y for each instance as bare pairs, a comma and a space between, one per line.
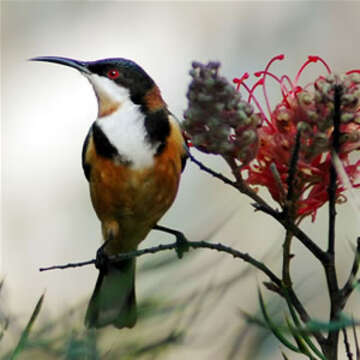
289, 215
67, 266
329, 265
337, 300
333, 175
293, 169
262, 205
347, 345
286, 260
351, 282
212, 172
290, 210
276, 175
191, 244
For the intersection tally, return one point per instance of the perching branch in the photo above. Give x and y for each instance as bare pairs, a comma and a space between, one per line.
191, 244
202, 244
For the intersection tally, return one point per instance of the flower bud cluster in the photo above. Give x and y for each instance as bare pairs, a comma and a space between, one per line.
350, 113
217, 120
312, 111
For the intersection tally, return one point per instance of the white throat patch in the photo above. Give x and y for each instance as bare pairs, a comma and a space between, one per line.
124, 128
106, 90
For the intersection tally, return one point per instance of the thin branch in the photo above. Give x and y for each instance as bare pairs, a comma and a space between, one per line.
263, 206
349, 285
239, 185
329, 266
276, 175
293, 168
212, 172
299, 234
67, 266
192, 244
347, 345
333, 175
286, 260
304, 316
290, 210
289, 214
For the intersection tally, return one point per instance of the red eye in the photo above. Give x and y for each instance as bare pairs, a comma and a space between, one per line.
113, 74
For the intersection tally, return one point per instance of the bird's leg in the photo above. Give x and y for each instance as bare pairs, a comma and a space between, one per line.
181, 241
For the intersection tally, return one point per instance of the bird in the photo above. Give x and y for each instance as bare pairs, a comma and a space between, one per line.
132, 157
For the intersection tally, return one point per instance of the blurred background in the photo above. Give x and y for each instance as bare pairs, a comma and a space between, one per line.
47, 216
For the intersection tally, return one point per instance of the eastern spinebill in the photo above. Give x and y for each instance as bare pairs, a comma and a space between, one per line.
132, 157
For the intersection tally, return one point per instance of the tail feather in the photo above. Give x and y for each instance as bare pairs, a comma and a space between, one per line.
113, 300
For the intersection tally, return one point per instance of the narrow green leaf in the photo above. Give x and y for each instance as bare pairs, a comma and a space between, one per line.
25, 334
305, 337
275, 330
284, 356
299, 340
252, 319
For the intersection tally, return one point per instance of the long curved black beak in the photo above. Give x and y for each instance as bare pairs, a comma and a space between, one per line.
79, 65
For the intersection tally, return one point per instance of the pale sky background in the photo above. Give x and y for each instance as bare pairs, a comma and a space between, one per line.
46, 111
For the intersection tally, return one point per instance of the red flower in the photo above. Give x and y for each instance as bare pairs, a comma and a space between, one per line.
311, 110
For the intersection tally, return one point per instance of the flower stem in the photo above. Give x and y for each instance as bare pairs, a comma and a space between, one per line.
333, 174
336, 298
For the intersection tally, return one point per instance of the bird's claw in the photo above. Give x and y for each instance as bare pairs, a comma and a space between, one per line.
182, 245
101, 260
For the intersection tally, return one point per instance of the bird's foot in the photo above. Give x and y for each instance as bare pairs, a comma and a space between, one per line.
101, 260
182, 244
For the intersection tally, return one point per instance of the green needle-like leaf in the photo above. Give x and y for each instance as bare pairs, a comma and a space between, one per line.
305, 337
275, 330
25, 334
299, 340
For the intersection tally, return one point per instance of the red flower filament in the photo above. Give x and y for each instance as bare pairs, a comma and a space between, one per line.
310, 110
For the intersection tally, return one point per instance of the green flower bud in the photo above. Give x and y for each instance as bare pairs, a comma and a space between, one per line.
347, 117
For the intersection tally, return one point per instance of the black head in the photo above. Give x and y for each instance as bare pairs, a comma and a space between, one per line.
123, 72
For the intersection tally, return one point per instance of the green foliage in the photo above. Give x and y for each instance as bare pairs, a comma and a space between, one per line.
25, 334
274, 328
301, 333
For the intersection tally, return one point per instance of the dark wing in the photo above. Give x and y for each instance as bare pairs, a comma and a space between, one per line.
86, 166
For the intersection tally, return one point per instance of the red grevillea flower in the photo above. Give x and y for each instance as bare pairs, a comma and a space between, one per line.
309, 109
